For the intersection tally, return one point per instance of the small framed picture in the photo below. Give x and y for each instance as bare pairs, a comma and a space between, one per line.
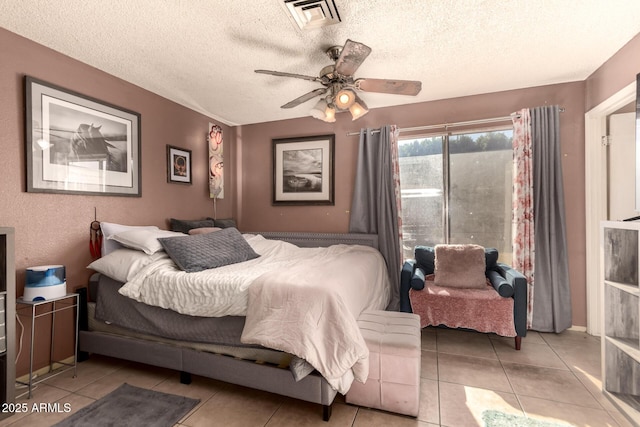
303, 170
178, 165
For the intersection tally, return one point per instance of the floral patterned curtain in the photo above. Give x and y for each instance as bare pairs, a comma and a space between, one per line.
395, 170
522, 221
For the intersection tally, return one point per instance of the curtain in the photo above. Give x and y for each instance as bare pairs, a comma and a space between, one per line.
522, 219
376, 207
552, 297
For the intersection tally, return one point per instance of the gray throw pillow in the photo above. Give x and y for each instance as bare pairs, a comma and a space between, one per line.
184, 225
204, 251
224, 223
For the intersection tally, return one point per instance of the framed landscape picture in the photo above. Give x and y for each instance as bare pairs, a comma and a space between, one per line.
178, 165
303, 170
79, 145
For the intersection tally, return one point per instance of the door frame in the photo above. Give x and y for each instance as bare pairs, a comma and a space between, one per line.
595, 122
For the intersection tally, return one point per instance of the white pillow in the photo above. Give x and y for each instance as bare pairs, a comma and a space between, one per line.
109, 229
144, 240
123, 264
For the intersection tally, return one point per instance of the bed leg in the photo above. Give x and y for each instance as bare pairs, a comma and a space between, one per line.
185, 377
326, 412
518, 342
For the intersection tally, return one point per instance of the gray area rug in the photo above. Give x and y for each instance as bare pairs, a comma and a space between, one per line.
129, 406
500, 419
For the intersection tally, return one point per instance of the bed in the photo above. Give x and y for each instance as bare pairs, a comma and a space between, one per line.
233, 344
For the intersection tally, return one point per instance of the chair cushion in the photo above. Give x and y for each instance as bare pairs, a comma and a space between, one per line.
482, 310
460, 266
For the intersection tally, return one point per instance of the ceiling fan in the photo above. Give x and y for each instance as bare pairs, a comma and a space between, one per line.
340, 85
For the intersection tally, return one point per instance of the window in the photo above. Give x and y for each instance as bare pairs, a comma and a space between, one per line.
456, 188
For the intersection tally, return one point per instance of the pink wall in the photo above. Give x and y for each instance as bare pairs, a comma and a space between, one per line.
255, 211
612, 76
53, 228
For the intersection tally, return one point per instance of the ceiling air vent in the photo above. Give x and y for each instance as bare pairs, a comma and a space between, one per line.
311, 14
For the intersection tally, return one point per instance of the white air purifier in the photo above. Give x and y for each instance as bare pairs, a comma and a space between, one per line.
45, 282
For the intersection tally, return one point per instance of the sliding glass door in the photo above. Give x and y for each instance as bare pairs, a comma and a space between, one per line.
456, 188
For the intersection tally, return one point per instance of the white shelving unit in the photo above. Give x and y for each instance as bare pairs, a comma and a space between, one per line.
620, 267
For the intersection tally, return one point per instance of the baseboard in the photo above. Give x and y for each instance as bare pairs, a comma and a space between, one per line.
578, 328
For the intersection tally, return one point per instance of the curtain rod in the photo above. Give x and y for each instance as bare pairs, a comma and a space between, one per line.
450, 125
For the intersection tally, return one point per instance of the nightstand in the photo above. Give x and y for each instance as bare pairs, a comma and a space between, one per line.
52, 306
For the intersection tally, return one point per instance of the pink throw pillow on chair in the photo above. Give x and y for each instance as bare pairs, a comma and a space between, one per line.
460, 266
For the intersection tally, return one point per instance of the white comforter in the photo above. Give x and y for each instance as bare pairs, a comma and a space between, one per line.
304, 301
311, 311
223, 291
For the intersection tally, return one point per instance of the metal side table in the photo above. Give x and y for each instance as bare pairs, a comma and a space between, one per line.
70, 301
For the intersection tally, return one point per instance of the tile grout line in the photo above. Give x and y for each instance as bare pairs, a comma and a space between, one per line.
513, 389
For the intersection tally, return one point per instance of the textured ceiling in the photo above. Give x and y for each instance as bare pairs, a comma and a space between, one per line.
202, 53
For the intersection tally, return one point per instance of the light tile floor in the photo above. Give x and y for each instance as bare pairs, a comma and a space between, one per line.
555, 377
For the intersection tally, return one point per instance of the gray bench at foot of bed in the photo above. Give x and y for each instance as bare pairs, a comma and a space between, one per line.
312, 388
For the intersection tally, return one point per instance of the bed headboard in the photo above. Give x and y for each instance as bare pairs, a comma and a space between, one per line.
310, 240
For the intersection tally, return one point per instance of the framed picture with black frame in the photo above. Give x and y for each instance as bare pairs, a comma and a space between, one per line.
303, 170
77, 144
178, 165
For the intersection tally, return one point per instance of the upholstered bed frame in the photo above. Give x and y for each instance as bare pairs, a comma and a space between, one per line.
313, 388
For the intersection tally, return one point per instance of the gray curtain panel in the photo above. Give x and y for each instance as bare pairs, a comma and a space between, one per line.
552, 295
373, 208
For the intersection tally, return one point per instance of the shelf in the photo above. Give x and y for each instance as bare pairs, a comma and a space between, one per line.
630, 289
627, 404
628, 346
622, 319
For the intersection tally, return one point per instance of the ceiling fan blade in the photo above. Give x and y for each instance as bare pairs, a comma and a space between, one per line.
396, 87
352, 56
282, 74
305, 97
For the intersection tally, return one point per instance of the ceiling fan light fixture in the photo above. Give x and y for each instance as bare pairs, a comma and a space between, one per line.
358, 109
330, 114
345, 99
318, 111
323, 111
338, 81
